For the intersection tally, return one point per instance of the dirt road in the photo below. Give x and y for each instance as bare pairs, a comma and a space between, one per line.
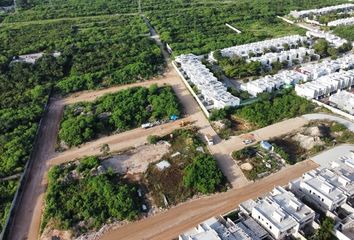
28, 215
118, 142
91, 95
170, 224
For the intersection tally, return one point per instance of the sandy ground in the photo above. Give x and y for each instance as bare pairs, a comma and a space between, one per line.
170, 224
137, 160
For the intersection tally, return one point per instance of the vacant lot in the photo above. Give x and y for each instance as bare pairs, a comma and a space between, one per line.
311, 139
169, 186
135, 162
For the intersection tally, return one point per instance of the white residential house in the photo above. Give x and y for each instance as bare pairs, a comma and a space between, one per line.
280, 213
275, 220
211, 89
341, 22
271, 83
287, 201
326, 85
331, 38
289, 56
219, 229
315, 187
259, 48
321, 11
343, 100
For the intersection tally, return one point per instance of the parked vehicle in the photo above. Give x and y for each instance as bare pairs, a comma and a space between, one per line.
147, 125
209, 139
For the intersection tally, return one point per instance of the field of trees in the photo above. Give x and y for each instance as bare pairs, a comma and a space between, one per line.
345, 32
101, 51
199, 26
51, 9
82, 198
117, 112
272, 109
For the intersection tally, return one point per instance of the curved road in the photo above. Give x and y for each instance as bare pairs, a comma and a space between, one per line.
323, 116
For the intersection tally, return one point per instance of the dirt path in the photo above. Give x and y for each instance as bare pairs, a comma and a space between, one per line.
118, 142
170, 224
28, 214
91, 95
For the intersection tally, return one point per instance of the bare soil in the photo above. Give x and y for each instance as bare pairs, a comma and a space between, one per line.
136, 160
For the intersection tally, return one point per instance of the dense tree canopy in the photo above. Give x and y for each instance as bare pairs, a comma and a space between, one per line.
203, 175
120, 111
274, 109
93, 198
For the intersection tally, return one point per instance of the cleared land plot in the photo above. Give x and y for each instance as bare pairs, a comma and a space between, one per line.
136, 161
188, 161
310, 140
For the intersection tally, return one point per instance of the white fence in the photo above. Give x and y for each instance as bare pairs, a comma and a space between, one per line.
335, 110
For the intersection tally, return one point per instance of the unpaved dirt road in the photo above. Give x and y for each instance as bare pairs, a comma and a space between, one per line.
170, 224
28, 214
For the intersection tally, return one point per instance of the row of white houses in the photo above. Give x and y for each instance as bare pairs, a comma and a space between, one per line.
331, 38
288, 56
308, 72
322, 11
343, 100
283, 213
271, 83
342, 21
326, 85
212, 90
259, 48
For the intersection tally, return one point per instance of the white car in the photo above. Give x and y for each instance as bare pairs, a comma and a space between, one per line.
247, 141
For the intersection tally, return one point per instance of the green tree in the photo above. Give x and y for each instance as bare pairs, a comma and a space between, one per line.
203, 174
321, 47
